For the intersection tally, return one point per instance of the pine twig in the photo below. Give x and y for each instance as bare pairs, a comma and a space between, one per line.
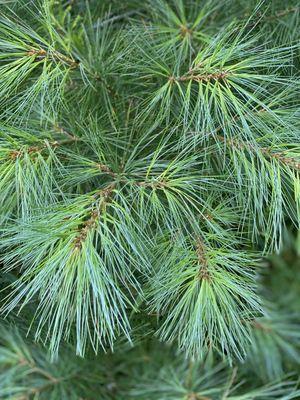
230, 383
55, 55
202, 259
191, 76
288, 161
90, 224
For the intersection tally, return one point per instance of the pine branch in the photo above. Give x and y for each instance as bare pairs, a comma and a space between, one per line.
208, 383
67, 258
291, 162
149, 162
26, 372
197, 292
275, 336
220, 86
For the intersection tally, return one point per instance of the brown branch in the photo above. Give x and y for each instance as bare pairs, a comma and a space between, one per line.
283, 13
192, 75
185, 31
154, 185
35, 369
106, 192
55, 55
91, 223
14, 154
46, 374
88, 225
71, 138
289, 161
202, 259
196, 396
220, 75
105, 168
38, 390
69, 135
280, 156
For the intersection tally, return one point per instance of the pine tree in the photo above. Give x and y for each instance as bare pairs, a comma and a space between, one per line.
149, 207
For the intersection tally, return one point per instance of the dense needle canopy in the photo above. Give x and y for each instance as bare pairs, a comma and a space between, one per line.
149, 199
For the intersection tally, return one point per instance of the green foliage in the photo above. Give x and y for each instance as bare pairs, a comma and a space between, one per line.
26, 372
32, 69
149, 180
214, 383
27, 164
276, 340
207, 294
64, 242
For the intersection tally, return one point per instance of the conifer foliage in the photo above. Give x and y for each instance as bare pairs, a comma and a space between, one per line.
149, 206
